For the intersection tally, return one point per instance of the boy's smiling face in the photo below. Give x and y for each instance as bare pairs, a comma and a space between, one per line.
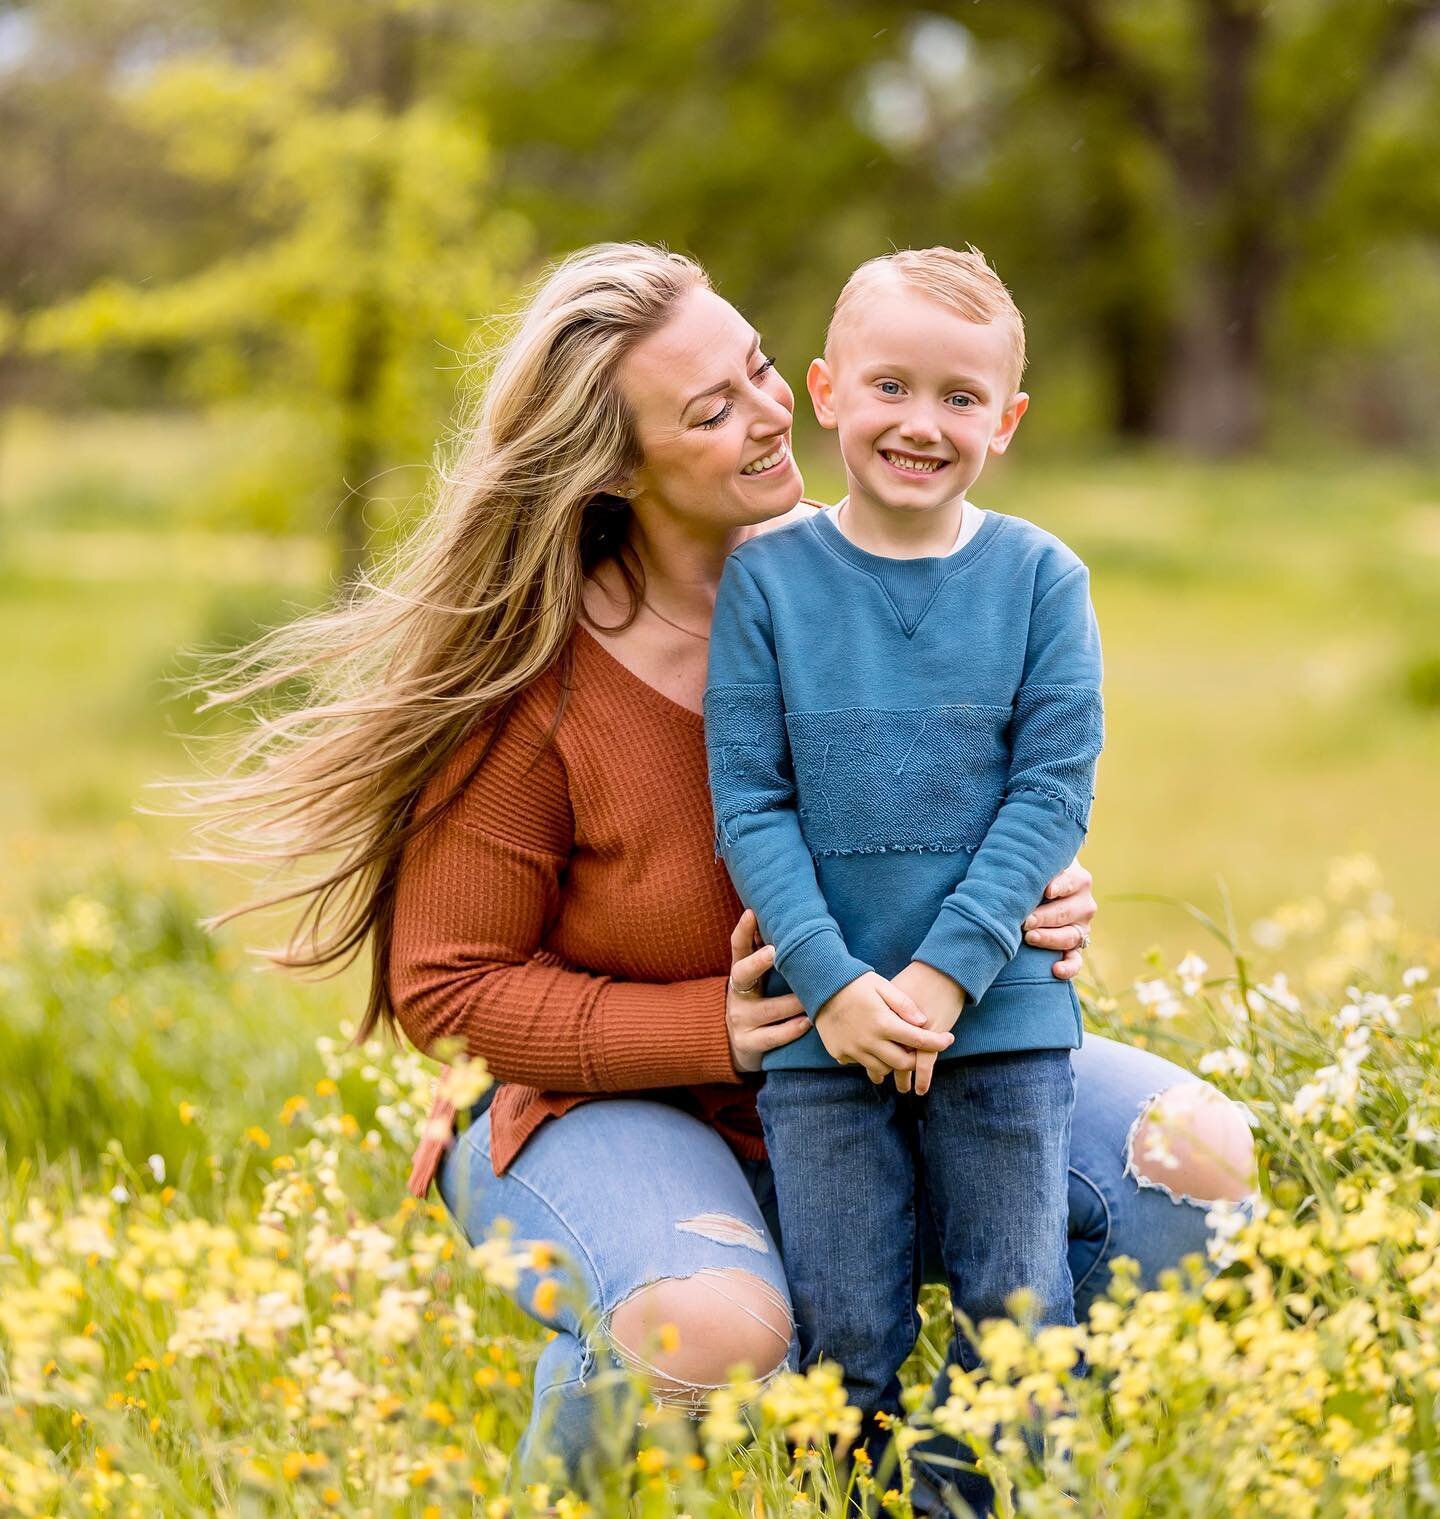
920, 395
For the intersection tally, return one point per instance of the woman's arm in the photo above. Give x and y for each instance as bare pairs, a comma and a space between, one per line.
473, 899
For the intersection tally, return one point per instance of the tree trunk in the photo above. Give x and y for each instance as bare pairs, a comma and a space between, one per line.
1135, 351
1130, 322
1214, 399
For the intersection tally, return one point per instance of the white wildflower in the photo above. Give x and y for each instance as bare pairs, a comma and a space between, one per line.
1191, 971
329, 1386
1159, 997
375, 1253
1225, 1221
218, 1320
1371, 1010
35, 1234
157, 1167
1276, 993
1307, 1101
1230, 1061
396, 1319
1417, 975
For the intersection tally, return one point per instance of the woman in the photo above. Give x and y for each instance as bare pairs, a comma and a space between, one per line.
503, 752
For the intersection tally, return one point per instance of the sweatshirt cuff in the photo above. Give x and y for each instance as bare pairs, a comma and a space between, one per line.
818, 967
658, 1035
964, 951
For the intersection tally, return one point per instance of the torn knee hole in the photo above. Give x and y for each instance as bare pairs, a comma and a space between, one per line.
1194, 1145
690, 1334
725, 1229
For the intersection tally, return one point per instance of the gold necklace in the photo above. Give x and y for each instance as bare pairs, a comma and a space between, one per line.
703, 637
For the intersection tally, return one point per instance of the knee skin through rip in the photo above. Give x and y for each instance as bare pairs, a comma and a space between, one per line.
689, 1333
1193, 1143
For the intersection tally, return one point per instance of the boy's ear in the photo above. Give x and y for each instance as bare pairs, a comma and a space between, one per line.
1009, 421
819, 383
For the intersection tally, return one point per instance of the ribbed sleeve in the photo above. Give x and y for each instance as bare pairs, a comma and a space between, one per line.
473, 900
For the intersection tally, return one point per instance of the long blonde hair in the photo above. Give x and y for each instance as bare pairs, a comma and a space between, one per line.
479, 602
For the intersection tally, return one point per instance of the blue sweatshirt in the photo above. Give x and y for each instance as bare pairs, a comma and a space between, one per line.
902, 754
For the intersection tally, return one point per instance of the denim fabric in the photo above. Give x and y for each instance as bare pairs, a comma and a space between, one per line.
609, 1182
856, 1164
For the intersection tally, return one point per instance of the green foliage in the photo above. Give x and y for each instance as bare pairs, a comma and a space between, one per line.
253, 1316
121, 1020
1211, 214
373, 248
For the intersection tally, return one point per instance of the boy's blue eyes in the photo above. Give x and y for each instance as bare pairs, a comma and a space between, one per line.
962, 401
729, 406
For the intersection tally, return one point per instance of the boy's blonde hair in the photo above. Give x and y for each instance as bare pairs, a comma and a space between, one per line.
962, 281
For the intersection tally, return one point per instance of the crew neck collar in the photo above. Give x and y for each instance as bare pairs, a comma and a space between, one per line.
910, 585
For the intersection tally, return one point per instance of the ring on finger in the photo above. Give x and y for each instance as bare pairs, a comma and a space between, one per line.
1084, 943
744, 991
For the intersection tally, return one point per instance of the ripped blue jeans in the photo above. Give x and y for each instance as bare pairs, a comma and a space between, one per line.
634, 1192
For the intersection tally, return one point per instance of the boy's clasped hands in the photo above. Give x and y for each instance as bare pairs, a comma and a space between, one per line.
893, 1028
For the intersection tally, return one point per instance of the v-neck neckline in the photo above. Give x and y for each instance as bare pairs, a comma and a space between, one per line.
638, 686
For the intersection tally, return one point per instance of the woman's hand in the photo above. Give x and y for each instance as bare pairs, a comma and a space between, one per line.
756, 1024
1062, 921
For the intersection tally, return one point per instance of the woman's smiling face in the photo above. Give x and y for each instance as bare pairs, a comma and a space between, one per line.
712, 417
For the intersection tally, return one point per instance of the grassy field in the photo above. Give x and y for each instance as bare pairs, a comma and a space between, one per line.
214, 1297
1272, 643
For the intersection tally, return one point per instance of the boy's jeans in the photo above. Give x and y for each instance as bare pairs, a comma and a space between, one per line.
986, 1150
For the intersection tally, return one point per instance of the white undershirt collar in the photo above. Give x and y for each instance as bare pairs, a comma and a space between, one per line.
971, 517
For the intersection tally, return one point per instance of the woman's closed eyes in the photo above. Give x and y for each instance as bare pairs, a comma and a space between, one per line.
724, 412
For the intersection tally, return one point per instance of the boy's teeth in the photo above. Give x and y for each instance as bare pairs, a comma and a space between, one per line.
919, 466
768, 462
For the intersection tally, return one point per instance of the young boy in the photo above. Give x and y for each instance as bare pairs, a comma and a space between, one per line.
903, 719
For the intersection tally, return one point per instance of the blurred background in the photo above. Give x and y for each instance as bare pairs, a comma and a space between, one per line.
248, 248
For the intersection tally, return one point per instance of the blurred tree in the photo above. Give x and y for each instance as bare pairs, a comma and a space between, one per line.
732, 129
1201, 204
79, 196
1150, 176
1250, 111
374, 242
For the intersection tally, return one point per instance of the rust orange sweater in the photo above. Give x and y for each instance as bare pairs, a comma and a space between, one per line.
567, 920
